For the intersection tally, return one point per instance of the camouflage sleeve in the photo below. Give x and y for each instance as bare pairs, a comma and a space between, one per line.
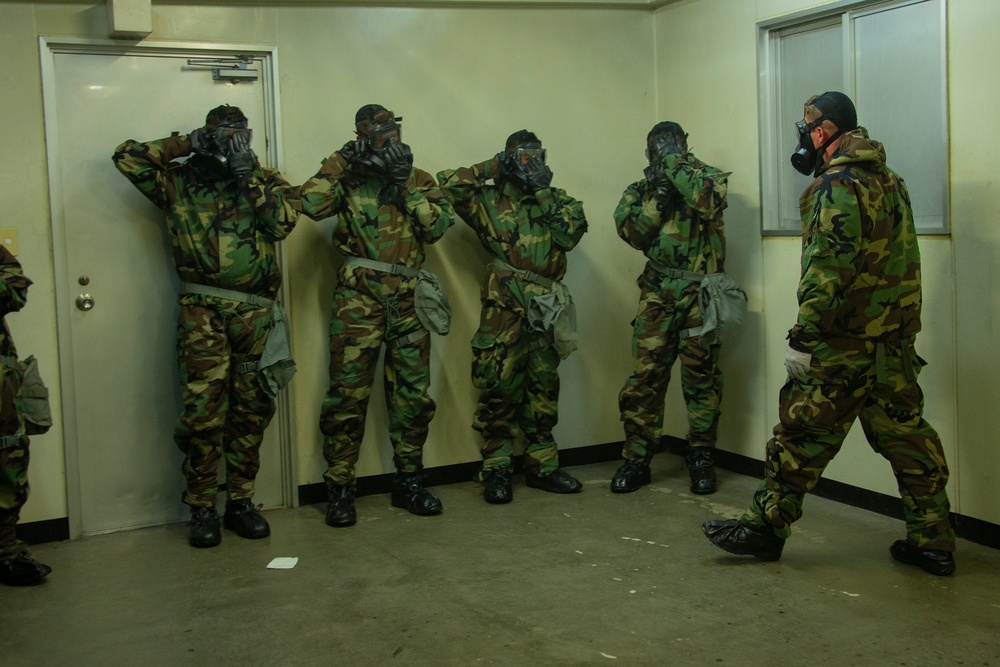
636, 218
462, 187
431, 212
702, 187
832, 220
145, 164
323, 195
271, 197
13, 284
563, 215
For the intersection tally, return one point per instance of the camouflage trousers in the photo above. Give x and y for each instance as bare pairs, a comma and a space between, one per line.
13, 495
370, 308
517, 370
225, 411
656, 344
815, 417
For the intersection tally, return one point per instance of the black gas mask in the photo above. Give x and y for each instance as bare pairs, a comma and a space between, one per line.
517, 163
383, 134
224, 135
833, 106
229, 138
807, 159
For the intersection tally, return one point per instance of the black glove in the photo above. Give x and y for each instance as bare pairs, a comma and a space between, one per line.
353, 152
664, 192
399, 162
393, 162
201, 140
666, 197
655, 177
537, 174
241, 158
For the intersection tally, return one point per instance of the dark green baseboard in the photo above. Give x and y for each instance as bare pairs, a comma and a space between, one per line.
974, 530
50, 530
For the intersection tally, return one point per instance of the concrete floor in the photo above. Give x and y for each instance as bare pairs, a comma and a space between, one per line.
590, 579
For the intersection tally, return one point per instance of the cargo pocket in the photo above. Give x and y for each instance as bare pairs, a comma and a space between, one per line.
486, 360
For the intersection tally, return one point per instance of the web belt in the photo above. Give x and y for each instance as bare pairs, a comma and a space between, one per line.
384, 267
232, 295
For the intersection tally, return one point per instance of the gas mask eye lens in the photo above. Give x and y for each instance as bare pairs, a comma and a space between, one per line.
380, 141
383, 134
523, 155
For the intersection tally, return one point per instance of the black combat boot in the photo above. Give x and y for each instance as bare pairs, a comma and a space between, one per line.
630, 476
933, 561
340, 513
22, 570
701, 467
497, 489
203, 528
408, 493
743, 540
557, 481
245, 518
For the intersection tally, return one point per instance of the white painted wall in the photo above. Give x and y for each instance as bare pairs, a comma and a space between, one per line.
590, 82
463, 79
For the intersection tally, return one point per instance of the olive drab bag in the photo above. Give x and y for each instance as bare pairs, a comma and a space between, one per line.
431, 304
555, 314
723, 306
34, 399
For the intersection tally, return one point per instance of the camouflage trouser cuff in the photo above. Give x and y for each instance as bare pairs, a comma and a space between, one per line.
545, 468
755, 519
636, 452
338, 477
492, 463
16, 549
202, 499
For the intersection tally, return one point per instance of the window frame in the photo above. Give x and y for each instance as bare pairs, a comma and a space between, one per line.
775, 141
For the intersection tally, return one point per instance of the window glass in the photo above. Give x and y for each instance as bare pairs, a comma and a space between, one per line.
889, 57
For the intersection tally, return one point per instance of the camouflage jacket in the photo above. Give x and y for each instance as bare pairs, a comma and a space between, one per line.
377, 219
222, 231
688, 234
532, 232
13, 294
860, 261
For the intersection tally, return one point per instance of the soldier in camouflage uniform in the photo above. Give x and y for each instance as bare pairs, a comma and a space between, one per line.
674, 216
851, 353
387, 211
17, 567
225, 213
528, 226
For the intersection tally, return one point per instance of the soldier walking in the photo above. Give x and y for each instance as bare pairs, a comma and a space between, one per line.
851, 353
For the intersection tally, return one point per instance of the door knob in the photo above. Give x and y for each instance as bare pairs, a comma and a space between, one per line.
85, 302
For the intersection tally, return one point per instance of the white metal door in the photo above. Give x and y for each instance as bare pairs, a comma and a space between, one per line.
118, 365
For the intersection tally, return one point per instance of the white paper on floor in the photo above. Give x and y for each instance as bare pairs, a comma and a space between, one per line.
283, 563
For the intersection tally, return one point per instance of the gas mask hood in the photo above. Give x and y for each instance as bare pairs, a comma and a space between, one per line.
833, 106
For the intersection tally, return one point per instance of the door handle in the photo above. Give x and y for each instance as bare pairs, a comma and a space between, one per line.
85, 301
